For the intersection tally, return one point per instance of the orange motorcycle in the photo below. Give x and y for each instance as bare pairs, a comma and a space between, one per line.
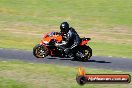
50, 41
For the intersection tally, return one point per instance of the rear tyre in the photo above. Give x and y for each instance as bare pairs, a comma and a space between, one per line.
84, 53
40, 51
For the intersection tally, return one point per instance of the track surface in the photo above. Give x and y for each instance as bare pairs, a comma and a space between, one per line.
119, 64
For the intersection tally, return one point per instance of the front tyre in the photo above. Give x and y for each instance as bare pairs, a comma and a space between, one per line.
40, 51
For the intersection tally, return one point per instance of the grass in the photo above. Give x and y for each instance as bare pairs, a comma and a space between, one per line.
11, 83
108, 23
16, 74
112, 49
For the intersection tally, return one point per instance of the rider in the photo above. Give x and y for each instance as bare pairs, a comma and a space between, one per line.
70, 36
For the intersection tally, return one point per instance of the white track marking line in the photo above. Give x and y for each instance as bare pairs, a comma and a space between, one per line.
4, 61
109, 56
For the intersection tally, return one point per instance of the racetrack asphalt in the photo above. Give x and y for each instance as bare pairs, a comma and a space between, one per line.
119, 64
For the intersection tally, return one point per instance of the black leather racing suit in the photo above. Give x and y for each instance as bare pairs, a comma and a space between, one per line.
72, 39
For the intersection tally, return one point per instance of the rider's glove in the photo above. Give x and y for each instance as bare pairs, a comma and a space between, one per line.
57, 44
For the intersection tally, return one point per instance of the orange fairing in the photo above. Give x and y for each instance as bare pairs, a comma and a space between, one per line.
58, 38
47, 38
84, 42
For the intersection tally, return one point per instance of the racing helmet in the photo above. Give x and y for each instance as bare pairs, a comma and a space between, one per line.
64, 27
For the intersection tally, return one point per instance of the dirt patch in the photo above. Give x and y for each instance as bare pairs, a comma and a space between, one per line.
7, 10
15, 31
118, 34
113, 34
121, 29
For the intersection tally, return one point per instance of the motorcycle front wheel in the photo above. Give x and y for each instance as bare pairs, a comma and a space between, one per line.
40, 51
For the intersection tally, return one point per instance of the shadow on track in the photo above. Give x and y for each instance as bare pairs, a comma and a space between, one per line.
52, 58
98, 61
95, 61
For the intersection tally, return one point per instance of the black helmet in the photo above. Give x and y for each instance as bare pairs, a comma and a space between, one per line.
64, 27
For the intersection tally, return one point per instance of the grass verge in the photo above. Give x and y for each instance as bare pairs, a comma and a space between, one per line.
16, 74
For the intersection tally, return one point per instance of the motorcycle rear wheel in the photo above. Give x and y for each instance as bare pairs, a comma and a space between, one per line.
86, 52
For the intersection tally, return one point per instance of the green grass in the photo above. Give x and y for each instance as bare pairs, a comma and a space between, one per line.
112, 11
12, 83
107, 22
109, 49
17, 74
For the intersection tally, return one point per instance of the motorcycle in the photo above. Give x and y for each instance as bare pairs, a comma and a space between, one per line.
49, 47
